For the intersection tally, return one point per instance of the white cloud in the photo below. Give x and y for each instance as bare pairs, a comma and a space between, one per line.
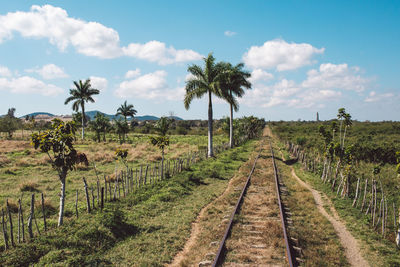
260, 75
155, 51
99, 83
49, 71
5, 72
132, 73
150, 86
88, 38
289, 93
29, 85
229, 33
280, 55
374, 97
331, 76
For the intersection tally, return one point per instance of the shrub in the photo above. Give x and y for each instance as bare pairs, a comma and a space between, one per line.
28, 187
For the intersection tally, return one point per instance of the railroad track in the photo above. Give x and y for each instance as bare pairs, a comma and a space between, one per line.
256, 233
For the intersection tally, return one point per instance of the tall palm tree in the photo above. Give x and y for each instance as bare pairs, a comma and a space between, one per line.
234, 81
126, 110
204, 81
82, 93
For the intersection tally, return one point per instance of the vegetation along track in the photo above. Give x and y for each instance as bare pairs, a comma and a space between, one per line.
256, 232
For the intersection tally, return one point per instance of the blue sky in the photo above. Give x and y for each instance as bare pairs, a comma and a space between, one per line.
304, 56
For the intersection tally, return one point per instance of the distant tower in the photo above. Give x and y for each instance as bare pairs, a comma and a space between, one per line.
317, 116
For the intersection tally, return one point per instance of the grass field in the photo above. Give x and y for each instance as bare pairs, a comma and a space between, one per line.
145, 229
24, 171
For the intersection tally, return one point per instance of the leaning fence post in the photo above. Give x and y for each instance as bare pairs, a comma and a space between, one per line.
22, 219
98, 193
31, 216
44, 214
11, 224
91, 188
76, 204
4, 230
105, 185
87, 195
102, 198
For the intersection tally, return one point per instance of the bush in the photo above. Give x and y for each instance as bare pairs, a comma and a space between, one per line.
28, 187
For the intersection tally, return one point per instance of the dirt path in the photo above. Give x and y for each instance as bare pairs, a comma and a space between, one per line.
352, 249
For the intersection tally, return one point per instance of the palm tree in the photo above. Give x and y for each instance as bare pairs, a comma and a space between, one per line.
234, 81
204, 81
81, 94
126, 110
162, 140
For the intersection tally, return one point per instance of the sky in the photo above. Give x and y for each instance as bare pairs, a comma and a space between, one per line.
304, 56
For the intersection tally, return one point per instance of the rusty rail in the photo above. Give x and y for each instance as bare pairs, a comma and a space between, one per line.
289, 248
221, 249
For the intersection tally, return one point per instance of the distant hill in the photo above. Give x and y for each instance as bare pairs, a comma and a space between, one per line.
37, 113
93, 113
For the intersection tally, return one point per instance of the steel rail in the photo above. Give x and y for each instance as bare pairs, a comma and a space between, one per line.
218, 256
289, 248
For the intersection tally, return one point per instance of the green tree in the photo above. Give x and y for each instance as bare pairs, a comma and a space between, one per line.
100, 124
57, 143
82, 93
126, 110
121, 128
234, 81
204, 81
8, 125
162, 140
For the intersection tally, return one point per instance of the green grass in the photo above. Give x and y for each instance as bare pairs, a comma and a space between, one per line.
145, 229
379, 251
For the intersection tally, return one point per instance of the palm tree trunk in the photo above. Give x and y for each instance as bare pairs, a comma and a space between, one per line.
231, 128
62, 201
83, 121
210, 127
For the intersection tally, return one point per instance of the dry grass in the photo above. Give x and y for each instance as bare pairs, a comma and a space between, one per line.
12, 205
4, 160
28, 187
316, 236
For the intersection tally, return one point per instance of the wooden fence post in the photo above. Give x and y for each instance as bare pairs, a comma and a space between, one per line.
11, 224
105, 185
4, 230
21, 214
30, 218
87, 195
76, 204
145, 174
102, 198
98, 193
44, 214
91, 187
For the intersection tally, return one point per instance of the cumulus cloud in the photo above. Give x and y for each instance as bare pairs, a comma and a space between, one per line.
99, 83
280, 55
29, 85
229, 33
88, 38
331, 76
289, 93
375, 97
155, 51
49, 71
260, 75
150, 86
132, 73
4, 71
